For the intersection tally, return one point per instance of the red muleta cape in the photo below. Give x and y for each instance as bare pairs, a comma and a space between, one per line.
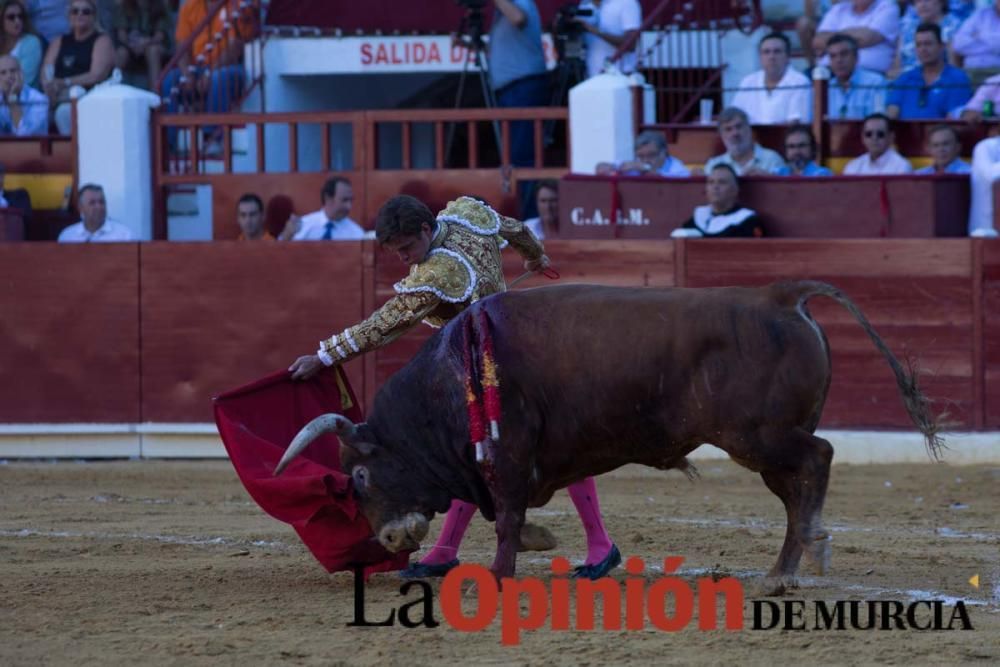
258, 421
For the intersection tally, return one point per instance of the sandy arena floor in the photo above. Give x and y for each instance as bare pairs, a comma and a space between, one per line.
171, 563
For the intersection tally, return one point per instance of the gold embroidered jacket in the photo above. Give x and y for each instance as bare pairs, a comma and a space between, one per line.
462, 266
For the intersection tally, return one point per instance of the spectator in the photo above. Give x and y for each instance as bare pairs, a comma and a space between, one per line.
854, 92
933, 89
217, 78
17, 38
94, 226
49, 18
978, 40
743, 154
330, 223
985, 172
17, 198
963, 9
873, 23
923, 11
517, 70
805, 26
82, 57
24, 111
776, 93
881, 158
944, 147
546, 225
800, 154
989, 91
250, 216
614, 22
651, 159
723, 216
142, 33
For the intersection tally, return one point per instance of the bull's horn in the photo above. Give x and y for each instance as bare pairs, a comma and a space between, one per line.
338, 424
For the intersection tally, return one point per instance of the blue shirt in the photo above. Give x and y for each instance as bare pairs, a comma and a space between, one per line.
516, 53
917, 100
908, 33
865, 95
956, 166
811, 169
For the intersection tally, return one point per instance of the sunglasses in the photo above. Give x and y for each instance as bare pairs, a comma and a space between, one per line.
876, 134
789, 147
81, 11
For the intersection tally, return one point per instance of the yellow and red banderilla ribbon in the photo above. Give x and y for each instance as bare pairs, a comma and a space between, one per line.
486, 408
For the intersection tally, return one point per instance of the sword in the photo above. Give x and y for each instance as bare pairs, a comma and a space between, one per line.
548, 272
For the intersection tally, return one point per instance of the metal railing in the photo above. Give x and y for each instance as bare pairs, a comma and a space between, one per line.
679, 50
215, 79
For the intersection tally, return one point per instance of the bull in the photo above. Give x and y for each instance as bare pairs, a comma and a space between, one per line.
595, 377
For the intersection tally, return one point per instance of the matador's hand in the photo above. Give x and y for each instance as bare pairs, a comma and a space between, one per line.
539, 264
305, 367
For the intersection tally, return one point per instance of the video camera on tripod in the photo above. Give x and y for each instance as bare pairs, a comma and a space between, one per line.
472, 28
567, 31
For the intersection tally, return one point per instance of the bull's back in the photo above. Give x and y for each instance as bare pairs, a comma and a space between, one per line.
626, 373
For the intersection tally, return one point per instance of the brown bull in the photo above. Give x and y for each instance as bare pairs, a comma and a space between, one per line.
595, 377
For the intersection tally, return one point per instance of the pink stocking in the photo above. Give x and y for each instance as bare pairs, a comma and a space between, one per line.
455, 522
584, 496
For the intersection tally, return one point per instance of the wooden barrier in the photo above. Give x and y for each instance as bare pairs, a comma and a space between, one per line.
69, 333
695, 144
842, 207
128, 333
374, 173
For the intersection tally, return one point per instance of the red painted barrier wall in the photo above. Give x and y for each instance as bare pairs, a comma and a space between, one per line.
148, 333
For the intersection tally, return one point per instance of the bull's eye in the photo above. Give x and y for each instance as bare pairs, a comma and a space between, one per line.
360, 476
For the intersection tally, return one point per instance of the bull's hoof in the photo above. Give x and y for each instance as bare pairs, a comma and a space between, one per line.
598, 570
775, 586
425, 571
536, 538
817, 555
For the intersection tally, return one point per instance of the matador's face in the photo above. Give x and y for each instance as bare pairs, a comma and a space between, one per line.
411, 248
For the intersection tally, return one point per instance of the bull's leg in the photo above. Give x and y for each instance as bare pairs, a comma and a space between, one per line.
796, 467
508, 524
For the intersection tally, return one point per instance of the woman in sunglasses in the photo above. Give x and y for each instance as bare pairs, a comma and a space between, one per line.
18, 39
82, 57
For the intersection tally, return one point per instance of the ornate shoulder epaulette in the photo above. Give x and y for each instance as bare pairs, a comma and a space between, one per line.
444, 273
473, 215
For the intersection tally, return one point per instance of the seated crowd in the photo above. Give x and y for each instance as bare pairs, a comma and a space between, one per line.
63, 48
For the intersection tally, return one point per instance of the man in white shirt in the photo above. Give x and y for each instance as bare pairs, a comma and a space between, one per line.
547, 203
94, 226
776, 93
874, 24
614, 22
743, 154
881, 158
330, 223
985, 172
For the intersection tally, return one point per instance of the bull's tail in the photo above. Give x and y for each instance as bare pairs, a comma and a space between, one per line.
916, 403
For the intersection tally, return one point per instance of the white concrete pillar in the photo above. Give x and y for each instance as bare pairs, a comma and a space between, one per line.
601, 123
985, 171
114, 151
